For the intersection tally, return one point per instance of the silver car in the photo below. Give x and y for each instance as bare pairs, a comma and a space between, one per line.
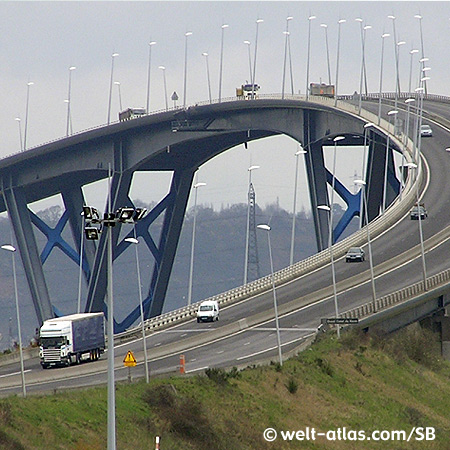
355, 254
426, 131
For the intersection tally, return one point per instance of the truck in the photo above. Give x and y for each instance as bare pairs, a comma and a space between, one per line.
70, 339
325, 90
132, 113
247, 91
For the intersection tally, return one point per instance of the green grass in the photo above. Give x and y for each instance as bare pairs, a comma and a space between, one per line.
358, 382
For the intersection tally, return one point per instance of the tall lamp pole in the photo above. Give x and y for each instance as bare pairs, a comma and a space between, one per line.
30, 83
186, 35
362, 183
247, 43
325, 27
207, 75
254, 61
330, 231
18, 120
113, 56
221, 61
117, 83
310, 18
150, 45
294, 206
286, 33
191, 267
163, 68
383, 37
340, 22
12, 249
275, 307
69, 119
134, 240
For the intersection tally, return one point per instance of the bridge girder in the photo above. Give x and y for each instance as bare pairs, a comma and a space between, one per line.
152, 144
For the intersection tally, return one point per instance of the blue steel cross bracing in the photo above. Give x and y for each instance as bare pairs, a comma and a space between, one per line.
55, 239
142, 230
353, 202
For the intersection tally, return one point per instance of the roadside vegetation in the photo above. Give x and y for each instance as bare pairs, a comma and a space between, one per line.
359, 382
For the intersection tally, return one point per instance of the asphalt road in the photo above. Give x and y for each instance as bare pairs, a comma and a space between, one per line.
244, 347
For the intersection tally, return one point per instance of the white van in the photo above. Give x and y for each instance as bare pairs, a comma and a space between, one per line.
208, 310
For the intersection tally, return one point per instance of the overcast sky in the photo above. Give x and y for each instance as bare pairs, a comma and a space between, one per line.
41, 40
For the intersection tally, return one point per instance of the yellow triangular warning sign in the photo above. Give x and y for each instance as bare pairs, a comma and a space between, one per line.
129, 360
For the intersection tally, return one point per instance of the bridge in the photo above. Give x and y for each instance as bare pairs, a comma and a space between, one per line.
404, 292
179, 141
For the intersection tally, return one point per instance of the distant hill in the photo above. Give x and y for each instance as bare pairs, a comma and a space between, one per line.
218, 262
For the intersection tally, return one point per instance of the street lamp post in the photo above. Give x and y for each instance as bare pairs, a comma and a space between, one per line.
134, 240
330, 230
117, 83
383, 37
18, 120
122, 215
391, 113
363, 61
247, 235
286, 33
69, 119
294, 207
221, 62
325, 27
113, 56
186, 35
419, 17
191, 267
165, 85
397, 87
247, 43
254, 61
333, 272
397, 90
12, 249
310, 18
340, 22
275, 307
150, 45
362, 183
30, 83
207, 75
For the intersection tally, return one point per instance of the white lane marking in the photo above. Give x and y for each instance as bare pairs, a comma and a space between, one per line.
14, 373
196, 370
272, 348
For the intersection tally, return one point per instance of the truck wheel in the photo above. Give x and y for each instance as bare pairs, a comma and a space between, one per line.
78, 359
69, 360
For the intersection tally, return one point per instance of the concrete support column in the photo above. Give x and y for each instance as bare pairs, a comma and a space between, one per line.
74, 201
317, 179
170, 235
19, 215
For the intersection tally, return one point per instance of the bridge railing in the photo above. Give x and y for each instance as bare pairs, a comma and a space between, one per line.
396, 210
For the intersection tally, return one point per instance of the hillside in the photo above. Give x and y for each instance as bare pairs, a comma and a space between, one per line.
361, 383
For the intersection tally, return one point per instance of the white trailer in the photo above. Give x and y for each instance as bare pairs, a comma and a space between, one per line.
70, 339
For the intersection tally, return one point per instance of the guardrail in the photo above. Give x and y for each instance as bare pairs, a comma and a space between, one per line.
439, 280
395, 211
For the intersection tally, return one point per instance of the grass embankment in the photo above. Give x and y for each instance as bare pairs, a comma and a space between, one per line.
360, 383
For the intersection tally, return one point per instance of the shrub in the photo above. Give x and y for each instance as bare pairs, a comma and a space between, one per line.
292, 385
